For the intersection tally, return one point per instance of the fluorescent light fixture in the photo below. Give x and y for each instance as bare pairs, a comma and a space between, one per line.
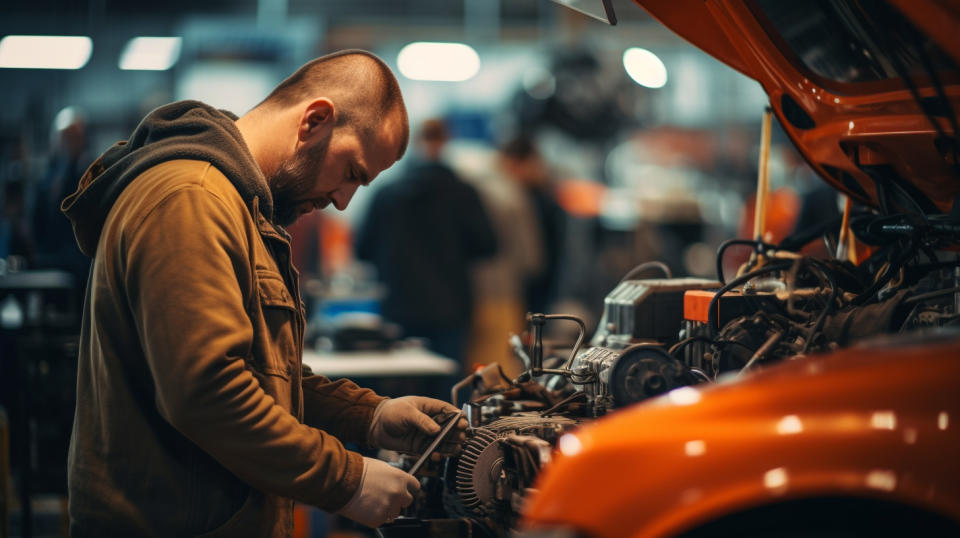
644, 67
45, 51
150, 53
446, 62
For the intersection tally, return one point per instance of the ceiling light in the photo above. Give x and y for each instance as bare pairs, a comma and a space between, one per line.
45, 51
448, 62
150, 53
644, 67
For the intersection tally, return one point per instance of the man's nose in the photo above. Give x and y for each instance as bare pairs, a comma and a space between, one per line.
342, 196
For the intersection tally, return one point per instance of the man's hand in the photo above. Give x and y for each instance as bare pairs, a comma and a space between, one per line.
383, 494
408, 424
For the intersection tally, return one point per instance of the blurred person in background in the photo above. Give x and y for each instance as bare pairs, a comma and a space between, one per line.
500, 282
423, 233
56, 247
523, 164
194, 413
15, 238
16, 234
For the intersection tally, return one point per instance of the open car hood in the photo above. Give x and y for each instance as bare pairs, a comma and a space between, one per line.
832, 70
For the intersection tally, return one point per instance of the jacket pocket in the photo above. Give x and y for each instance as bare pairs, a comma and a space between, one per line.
275, 326
273, 291
247, 521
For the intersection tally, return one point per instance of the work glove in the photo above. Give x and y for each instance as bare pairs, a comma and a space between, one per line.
408, 424
383, 494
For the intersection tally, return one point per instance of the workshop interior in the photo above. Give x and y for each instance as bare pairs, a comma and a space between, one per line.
722, 295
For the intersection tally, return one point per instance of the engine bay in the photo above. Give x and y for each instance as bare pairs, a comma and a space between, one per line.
661, 334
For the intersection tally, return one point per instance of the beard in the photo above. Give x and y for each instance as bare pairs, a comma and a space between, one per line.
294, 179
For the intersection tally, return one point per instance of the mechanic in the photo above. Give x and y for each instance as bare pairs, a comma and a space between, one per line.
194, 414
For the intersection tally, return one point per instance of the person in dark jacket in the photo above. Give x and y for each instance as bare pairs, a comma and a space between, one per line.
195, 416
522, 163
55, 247
422, 233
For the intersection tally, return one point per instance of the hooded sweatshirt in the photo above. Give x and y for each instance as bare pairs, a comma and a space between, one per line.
194, 414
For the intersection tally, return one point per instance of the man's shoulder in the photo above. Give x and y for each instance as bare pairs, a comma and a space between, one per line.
179, 179
163, 179
180, 172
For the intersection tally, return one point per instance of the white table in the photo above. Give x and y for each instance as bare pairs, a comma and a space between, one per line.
412, 361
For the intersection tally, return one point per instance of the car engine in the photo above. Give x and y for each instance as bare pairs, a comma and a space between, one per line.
658, 334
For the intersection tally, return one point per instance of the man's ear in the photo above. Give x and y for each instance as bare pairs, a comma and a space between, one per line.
319, 115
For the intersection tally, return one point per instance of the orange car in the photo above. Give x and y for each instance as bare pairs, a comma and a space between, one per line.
860, 441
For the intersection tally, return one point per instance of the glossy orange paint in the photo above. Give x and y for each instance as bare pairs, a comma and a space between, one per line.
879, 422
853, 121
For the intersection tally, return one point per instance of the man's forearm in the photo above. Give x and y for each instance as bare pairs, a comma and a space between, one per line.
230, 417
338, 407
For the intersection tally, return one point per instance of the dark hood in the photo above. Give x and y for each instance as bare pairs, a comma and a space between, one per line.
181, 130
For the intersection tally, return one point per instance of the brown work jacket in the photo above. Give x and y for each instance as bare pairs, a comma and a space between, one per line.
194, 415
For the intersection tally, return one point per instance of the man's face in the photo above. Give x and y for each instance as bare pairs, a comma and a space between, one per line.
329, 167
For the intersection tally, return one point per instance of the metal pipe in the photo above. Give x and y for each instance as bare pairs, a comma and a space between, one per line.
845, 250
772, 341
536, 362
576, 346
456, 388
763, 178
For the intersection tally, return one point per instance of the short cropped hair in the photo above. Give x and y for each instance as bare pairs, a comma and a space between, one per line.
356, 79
